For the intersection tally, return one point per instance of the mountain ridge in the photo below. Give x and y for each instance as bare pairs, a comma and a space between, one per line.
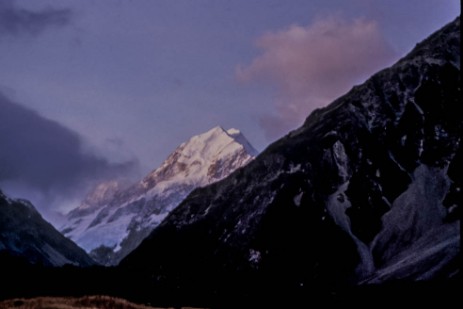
114, 218
26, 237
355, 172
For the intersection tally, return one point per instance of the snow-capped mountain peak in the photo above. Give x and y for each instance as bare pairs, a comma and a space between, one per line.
113, 220
198, 160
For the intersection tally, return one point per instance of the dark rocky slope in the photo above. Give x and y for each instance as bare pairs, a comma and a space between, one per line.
27, 239
368, 190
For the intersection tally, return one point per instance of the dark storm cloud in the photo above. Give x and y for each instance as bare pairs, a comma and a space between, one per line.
17, 21
45, 156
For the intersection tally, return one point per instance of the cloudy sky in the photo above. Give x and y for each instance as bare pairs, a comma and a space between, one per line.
91, 89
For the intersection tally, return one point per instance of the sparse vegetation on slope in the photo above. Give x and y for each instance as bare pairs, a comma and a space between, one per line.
85, 302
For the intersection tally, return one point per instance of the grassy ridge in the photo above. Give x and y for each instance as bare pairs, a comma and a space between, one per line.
85, 302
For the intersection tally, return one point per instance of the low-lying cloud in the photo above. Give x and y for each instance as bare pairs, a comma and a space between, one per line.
44, 159
312, 65
18, 21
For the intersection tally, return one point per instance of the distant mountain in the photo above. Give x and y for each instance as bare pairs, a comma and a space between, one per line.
368, 190
113, 219
25, 237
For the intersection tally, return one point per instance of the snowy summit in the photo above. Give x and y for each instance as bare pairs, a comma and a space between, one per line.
113, 219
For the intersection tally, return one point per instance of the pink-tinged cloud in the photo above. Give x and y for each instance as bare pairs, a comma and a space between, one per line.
311, 66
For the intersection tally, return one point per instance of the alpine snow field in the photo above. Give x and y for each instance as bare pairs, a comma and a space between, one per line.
364, 200
113, 219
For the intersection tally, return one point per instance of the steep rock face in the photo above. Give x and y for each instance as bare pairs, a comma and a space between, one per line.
366, 191
114, 219
26, 237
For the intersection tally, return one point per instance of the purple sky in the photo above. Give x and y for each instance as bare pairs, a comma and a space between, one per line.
131, 80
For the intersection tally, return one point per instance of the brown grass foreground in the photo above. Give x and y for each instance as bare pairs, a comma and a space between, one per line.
85, 302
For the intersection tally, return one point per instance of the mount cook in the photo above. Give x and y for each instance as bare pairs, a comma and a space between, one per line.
113, 219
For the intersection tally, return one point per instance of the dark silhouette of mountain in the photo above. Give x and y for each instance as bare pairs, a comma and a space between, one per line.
27, 239
367, 191
360, 206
